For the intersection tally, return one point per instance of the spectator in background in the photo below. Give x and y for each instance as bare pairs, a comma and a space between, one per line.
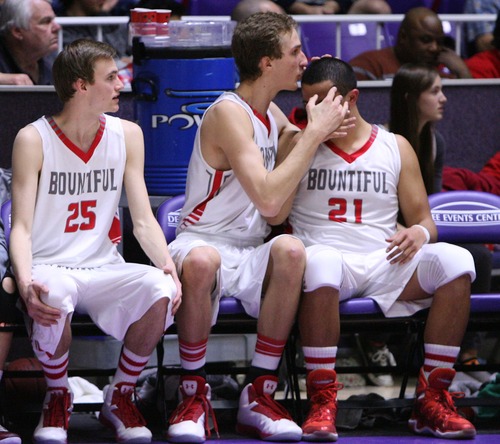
480, 34
335, 7
486, 64
488, 179
114, 35
118, 7
420, 40
245, 8
28, 42
417, 103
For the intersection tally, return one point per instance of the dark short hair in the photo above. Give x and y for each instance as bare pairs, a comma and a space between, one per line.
77, 61
337, 71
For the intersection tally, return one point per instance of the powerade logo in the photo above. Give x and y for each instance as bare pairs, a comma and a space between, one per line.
465, 214
190, 113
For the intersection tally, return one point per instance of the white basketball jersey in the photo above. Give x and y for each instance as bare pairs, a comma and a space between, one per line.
216, 203
78, 194
340, 191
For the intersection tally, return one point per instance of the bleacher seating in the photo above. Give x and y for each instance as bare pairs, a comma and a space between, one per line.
440, 6
218, 7
356, 37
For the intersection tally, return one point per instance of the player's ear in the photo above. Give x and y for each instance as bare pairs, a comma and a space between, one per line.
352, 96
265, 63
80, 85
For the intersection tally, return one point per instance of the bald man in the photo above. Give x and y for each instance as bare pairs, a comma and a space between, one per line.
245, 8
420, 40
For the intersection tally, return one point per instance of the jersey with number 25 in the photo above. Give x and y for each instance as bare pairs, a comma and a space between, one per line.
78, 195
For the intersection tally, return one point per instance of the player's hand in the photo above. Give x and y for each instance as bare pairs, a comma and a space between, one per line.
404, 245
176, 302
347, 124
38, 310
326, 117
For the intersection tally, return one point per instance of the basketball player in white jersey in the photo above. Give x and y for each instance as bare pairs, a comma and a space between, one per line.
345, 211
68, 171
231, 189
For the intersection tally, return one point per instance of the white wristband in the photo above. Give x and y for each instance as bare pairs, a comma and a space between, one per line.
426, 232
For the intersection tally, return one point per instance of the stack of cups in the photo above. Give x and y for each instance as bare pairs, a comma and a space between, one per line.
151, 25
162, 19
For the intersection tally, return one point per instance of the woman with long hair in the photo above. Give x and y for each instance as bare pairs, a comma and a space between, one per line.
417, 103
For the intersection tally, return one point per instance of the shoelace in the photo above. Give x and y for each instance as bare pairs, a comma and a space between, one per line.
188, 408
381, 357
275, 407
328, 393
57, 412
444, 399
128, 412
326, 397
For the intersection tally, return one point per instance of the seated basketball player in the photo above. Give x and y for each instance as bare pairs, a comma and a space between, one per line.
68, 171
232, 187
345, 211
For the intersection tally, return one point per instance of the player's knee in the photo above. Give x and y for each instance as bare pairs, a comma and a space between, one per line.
443, 263
324, 268
289, 251
201, 263
8, 285
61, 289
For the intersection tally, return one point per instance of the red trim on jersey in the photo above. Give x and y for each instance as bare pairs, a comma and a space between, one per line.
264, 119
350, 158
85, 156
198, 211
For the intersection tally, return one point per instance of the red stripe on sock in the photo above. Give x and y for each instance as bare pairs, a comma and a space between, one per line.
47, 366
311, 360
269, 346
442, 358
131, 362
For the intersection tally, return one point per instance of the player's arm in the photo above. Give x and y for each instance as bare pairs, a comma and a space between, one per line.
414, 206
228, 128
286, 143
289, 136
145, 226
27, 160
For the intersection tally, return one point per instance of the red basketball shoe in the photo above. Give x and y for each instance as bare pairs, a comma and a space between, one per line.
119, 413
322, 390
7, 437
260, 415
53, 425
434, 412
190, 421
